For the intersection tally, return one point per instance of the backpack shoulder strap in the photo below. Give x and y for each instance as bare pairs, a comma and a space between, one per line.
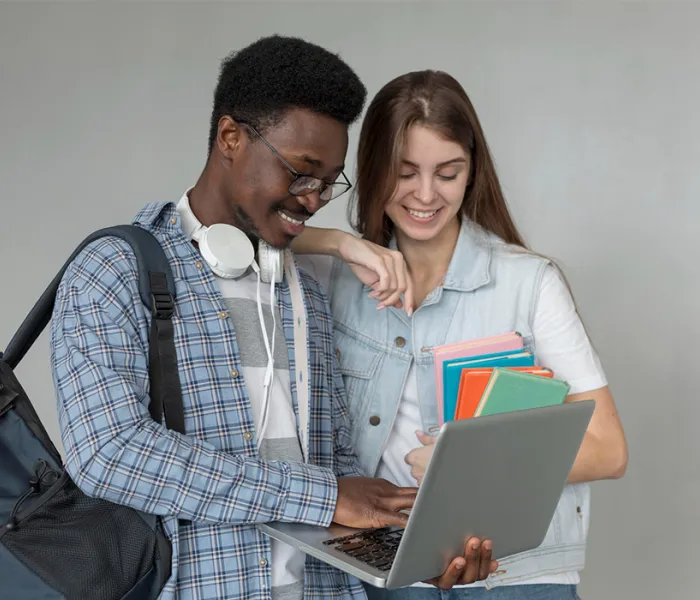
157, 291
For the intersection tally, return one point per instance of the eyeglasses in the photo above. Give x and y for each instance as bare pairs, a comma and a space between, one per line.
302, 184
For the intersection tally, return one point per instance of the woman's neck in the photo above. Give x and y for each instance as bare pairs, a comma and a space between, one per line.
428, 260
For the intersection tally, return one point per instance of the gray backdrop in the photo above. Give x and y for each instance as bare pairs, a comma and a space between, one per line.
591, 113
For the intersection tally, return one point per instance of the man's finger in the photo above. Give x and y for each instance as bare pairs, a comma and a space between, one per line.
397, 502
485, 562
387, 518
473, 556
452, 575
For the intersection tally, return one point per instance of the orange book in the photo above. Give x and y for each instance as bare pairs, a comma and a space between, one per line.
473, 382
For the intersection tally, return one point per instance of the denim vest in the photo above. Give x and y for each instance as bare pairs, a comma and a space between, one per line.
489, 289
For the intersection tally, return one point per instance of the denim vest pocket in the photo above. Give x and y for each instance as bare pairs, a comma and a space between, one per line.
358, 364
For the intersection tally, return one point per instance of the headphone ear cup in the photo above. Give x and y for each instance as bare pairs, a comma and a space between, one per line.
227, 250
268, 256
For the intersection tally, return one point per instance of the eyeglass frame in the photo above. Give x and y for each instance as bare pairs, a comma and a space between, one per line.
324, 184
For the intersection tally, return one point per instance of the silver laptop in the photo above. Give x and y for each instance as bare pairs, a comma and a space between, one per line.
498, 477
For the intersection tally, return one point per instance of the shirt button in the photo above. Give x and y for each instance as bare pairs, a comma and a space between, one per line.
234, 373
374, 420
262, 562
247, 436
223, 314
199, 265
173, 220
400, 342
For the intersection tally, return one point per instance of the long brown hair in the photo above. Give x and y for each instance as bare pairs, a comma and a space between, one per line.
436, 100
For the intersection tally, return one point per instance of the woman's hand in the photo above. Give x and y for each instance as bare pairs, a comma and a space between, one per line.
419, 458
383, 270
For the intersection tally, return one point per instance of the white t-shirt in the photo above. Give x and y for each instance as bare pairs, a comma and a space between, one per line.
561, 344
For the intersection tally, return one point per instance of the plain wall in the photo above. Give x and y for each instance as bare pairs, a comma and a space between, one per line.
590, 111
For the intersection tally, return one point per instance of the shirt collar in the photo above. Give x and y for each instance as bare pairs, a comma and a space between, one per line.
166, 216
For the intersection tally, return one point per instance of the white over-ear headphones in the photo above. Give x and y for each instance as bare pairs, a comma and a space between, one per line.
228, 251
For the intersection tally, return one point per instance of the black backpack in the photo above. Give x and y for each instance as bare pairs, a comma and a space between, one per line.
56, 542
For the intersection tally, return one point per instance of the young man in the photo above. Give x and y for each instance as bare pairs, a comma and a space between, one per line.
277, 145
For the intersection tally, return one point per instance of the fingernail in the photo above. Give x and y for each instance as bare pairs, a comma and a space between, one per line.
459, 566
380, 307
475, 545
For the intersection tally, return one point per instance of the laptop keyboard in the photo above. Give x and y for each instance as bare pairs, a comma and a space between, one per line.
376, 548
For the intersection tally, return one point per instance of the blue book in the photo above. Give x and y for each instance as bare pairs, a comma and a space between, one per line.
452, 372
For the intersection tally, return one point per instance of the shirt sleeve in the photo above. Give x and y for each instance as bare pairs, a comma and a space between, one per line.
116, 451
561, 341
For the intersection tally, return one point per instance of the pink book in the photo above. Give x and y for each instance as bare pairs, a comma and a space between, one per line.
488, 345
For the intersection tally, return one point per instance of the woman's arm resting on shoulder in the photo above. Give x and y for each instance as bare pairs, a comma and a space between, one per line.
383, 270
317, 240
603, 453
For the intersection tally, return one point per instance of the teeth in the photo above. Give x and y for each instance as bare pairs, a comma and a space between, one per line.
421, 214
288, 218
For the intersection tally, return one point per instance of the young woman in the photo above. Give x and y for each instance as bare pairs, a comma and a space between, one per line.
442, 260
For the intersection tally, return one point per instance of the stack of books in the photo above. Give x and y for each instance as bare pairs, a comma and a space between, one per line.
492, 375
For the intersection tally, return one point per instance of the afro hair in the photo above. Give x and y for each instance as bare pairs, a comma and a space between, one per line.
262, 81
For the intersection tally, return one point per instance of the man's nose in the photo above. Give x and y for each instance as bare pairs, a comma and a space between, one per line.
311, 202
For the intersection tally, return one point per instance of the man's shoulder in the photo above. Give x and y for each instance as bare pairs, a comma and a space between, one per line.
105, 268
110, 255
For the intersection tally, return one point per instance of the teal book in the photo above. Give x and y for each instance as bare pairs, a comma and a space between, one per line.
452, 372
509, 391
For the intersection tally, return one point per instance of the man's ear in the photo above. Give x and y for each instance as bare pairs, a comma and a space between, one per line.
230, 137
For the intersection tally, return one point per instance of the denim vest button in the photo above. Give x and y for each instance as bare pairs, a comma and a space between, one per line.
400, 342
374, 420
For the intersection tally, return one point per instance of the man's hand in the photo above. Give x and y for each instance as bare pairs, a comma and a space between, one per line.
383, 270
419, 458
476, 565
367, 503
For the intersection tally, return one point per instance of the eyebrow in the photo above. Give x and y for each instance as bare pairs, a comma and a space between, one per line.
314, 162
445, 163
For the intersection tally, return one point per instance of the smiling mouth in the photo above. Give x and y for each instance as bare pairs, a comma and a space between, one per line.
422, 214
285, 217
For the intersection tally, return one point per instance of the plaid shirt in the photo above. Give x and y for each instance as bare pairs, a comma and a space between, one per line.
212, 477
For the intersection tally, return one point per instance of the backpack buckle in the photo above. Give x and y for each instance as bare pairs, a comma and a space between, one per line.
163, 305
